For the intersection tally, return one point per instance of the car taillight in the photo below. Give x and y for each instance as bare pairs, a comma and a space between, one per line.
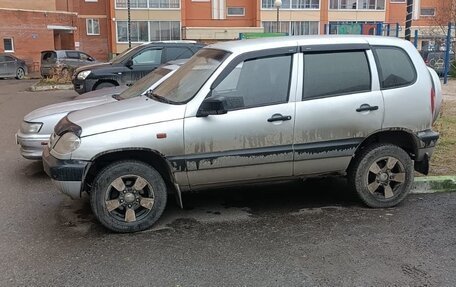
433, 100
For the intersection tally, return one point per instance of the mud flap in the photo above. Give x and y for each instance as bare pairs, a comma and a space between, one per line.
423, 165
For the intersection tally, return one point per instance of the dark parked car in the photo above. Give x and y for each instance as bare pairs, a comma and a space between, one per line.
131, 65
66, 60
12, 67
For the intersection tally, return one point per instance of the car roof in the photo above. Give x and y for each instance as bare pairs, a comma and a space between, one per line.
241, 46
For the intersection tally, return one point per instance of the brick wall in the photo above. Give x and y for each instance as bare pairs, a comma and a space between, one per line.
30, 32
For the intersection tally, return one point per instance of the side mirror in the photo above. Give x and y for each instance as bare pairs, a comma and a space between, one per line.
129, 63
212, 106
90, 59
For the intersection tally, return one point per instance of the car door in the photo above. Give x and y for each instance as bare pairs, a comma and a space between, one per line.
72, 59
144, 62
253, 140
341, 105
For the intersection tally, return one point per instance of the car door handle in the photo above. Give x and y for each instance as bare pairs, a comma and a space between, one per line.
278, 117
366, 107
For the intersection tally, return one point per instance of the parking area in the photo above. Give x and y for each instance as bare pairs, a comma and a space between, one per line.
312, 233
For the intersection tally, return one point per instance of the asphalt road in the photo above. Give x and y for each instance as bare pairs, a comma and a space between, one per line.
314, 233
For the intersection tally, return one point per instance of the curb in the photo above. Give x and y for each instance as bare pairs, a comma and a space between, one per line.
433, 184
39, 88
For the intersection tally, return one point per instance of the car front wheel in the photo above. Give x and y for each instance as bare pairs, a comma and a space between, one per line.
382, 175
128, 196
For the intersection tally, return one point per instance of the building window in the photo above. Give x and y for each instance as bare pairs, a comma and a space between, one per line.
133, 4
91, 0
164, 30
397, 1
427, 12
163, 4
8, 45
144, 31
292, 4
93, 27
235, 11
152, 4
293, 27
357, 4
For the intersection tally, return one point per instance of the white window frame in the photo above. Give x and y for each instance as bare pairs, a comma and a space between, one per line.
92, 33
291, 7
12, 44
235, 15
357, 7
148, 30
148, 6
430, 8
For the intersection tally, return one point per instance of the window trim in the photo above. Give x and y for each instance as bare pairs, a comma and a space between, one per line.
429, 8
336, 51
254, 55
12, 45
379, 68
235, 15
291, 9
87, 27
146, 8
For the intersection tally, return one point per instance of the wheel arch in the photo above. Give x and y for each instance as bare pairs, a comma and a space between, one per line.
101, 81
401, 137
148, 156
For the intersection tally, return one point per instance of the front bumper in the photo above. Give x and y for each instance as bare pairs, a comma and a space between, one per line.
67, 175
32, 144
83, 86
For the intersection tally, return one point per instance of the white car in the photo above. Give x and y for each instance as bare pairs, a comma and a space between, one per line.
38, 125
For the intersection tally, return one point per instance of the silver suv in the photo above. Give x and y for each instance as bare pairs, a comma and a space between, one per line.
255, 111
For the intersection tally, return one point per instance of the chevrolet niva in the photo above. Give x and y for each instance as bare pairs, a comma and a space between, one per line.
255, 111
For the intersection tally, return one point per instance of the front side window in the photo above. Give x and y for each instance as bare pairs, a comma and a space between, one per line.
183, 85
8, 45
93, 27
335, 73
395, 67
148, 57
256, 82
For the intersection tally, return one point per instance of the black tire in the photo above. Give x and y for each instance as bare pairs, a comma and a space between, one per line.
104, 85
20, 73
376, 180
104, 192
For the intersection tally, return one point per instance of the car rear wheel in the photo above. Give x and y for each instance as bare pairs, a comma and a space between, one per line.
128, 196
382, 175
20, 73
104, 85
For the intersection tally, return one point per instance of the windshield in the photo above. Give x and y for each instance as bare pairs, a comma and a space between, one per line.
124, 55
183, 85
145, 83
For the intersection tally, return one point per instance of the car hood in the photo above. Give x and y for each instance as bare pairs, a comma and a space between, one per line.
65, 107
103, 92
124, 114
92, 67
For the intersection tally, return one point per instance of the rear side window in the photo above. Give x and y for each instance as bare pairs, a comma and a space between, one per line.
72, 55
335, 73
394, 67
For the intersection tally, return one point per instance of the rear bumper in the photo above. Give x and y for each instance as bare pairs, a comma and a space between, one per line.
67, 175
427, 140
31, 144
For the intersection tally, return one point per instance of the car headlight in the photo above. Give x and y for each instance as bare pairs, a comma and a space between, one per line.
84, 74
30, 128
67, 143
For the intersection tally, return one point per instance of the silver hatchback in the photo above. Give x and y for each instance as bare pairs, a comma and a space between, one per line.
255, 111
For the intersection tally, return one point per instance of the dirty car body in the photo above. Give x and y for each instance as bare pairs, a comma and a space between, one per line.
38, 125
255, 111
